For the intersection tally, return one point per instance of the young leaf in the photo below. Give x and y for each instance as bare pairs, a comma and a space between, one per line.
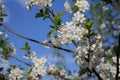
26, 73
39, 15
49, 33
27, 46
1, 69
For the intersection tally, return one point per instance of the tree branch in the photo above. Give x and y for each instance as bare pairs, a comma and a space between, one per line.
33, 40
98, 76
58, 74
117, 55
22, 61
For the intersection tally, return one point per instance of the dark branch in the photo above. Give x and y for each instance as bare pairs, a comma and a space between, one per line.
98, 76
42, 43
118, 55
22, 61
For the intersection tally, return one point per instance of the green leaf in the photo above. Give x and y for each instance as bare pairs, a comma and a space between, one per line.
4, 14
39, 15
26, 73
13, 66
76, 79
23, 48
82, 71
57, 18
46, 11
49, 33
27, 46
1, 69
74, 1
1, 19
60, 14
89, 24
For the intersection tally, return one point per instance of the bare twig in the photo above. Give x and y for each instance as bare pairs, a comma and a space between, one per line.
22, 61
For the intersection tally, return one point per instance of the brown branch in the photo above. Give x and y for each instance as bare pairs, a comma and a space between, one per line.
33, 40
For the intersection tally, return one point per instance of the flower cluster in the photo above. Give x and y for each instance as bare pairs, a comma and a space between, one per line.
15, 74
40, 3
55, 40
78, 17
71, 32
81, 52
38, 67
106, 69
83, 5
53, 69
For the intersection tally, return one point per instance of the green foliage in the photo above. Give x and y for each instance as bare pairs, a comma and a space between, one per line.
50, 32
1, 69
89, 24
43, 13
2, 13
57, 18
6, 49
40, 14
13, 66
76, 79
74, 1
26, 47
83, 71
26, 73
108, 1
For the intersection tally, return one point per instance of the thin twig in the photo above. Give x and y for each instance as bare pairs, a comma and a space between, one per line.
33, 40
22, 61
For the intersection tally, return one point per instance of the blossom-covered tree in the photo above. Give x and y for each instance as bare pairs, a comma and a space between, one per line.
91, 22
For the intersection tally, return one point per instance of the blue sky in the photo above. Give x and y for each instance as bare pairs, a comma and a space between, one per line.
23, 21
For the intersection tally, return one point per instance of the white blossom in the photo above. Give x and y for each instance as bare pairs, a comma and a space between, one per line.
83, 5
52, 68
6, 36
39, 67
1, 33
81, 52
105, 8
46, 42
14, 50
67, 6
55, 41
103, 26
40, 3
15, 74
78, 17
70, 32
114, 59
98, 36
